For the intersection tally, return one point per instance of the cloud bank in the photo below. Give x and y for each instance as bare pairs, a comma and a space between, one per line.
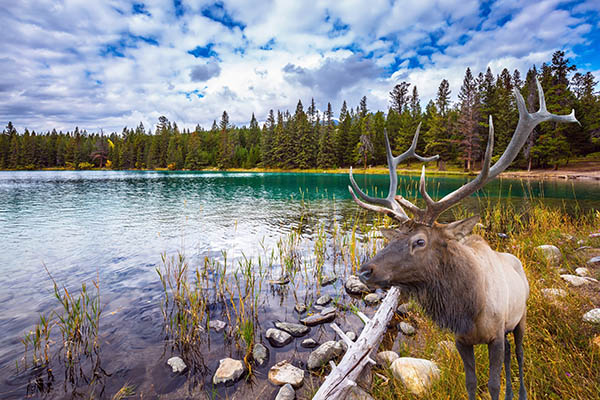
105, 65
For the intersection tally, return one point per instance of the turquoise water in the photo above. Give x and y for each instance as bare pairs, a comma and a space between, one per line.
116, 225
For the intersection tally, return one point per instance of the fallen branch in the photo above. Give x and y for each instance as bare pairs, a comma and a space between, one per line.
344, 376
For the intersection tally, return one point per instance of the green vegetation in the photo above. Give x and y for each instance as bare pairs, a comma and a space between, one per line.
310, 140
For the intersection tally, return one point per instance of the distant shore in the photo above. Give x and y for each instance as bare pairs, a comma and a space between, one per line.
589, 170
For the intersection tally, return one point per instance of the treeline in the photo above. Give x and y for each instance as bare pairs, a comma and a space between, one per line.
313, 139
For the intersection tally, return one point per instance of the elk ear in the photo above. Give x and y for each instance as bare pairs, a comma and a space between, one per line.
462, 228
392, 234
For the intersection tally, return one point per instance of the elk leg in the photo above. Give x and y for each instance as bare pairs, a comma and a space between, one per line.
509, 392
468, 358
519, 333
496, 355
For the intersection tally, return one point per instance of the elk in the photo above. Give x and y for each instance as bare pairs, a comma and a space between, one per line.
463, 285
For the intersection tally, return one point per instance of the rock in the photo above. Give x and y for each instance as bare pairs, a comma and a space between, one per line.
446, 347
309, 343
284, 280
372, 299
176, 364
229, 371
326, 315
260, 353
300, 308
386, 358
283, 373
550, 253
216, 325
323, 300
351, 335
594, 260
575, 280
567, 237
286, 392
328, 280
403, 309
407, 329
592, 316
582, 271
595, 235
357, 393
502, 235
553, 294
278, 338
354, 286
415, 373
296, 330
322, 354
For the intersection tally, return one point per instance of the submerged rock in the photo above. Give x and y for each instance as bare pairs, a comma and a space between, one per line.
297, 330
354, 286
217, 325
309, 343
322, 354
407, 329
177, 364
328, 280
592, 316
300, 308
326, 315
278, 338
415, 373
283, 373
260, 353
575, 280
284, 280
550, 253
229, 371
323, 300
286, 392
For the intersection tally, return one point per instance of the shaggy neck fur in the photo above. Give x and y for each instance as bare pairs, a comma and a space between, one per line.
452, 297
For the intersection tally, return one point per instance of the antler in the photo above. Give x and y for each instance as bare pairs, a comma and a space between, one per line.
527, 122
389, 205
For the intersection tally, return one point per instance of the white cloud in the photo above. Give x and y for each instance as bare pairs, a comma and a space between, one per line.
101, 65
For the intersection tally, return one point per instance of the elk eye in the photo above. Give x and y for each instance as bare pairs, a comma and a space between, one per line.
419, 243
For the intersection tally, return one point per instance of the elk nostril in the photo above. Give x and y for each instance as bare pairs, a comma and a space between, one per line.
365, 273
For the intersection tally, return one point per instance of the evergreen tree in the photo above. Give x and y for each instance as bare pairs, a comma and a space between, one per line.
443, 98
327, 156
399, 97
468, 119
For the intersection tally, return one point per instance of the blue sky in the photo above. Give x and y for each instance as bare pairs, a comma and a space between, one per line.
110, 64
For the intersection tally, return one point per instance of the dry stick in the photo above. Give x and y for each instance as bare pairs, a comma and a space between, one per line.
344, 376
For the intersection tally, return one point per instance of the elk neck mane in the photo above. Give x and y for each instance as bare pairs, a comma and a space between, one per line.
453, 293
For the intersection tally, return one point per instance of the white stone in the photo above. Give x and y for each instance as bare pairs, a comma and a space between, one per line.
351, 335
176, 364
217, 325
372, 299
386, 358
278, 338
260, 353
321, 301
407, 328
553, 293
229, 370
415, 373
592, 316
286, 392
551, 253
577, 280
283, 373
594, 260
582, 271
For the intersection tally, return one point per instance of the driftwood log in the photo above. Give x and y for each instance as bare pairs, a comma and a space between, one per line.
358, 355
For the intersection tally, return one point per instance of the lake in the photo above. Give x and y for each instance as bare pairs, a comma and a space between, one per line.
115, 225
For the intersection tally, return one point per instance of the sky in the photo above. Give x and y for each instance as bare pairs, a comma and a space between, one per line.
105, 64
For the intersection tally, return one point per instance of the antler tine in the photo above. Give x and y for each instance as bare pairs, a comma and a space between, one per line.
527, 122
390, 204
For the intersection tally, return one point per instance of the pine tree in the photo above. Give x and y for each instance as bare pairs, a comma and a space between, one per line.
399, 97
443, 98
327, 156
469, 116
